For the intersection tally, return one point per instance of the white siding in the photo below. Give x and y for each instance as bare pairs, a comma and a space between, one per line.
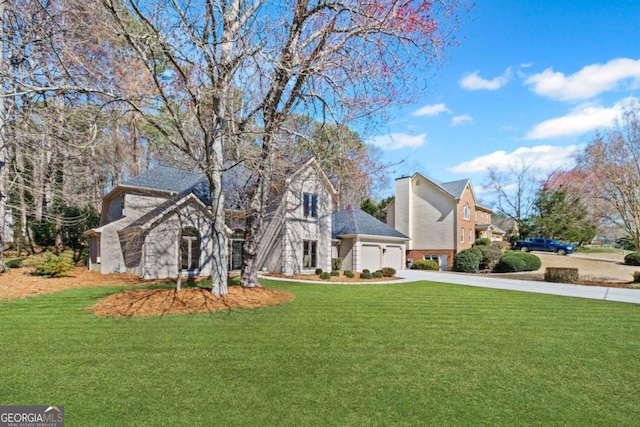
433, 217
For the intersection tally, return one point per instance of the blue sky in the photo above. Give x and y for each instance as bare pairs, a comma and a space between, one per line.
530, 81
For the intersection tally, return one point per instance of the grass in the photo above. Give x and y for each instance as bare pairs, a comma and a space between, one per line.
411, 354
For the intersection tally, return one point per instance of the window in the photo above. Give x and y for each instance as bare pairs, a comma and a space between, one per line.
309, 254
470, 236
310, 205
190, 249
466, 212
462, 234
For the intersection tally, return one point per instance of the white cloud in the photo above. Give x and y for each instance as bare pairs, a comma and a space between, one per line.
431, 110
541, 157
591, 81
397, 141
463, 119
473, 81
584, 118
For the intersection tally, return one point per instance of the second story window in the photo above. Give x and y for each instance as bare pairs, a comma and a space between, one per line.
310, 205
466, 212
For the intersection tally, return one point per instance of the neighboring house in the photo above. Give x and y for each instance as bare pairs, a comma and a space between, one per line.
441, 218
364, 242
158, 223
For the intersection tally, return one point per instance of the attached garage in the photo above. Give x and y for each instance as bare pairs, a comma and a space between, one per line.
392, 257
371, 257
364, 242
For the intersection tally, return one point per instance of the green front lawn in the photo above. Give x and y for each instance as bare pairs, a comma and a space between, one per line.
411, 354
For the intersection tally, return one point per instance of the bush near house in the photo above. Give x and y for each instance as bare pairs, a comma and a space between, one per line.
636, 277
318, 271
467, 261
325, 275
349, 274
425, 264
502, 244
336, 263
377, 274
490, 256
483, 241
335, 273
632, 259
514, 261
366, 274
388, 271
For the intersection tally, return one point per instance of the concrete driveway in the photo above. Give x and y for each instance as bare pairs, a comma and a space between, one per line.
563, 289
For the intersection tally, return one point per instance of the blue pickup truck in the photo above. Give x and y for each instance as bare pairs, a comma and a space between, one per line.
546, 245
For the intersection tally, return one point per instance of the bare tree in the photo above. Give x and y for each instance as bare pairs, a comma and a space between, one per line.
515, 190
611, 161
337, 61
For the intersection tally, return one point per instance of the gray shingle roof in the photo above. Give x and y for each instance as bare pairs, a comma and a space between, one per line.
166, 178
455, 188
353, 221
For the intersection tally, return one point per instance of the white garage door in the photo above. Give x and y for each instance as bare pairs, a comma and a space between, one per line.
370, 258
393, 257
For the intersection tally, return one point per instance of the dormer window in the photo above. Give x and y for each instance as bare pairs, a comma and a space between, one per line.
310, 205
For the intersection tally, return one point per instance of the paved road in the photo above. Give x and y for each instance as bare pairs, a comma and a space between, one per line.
578, 291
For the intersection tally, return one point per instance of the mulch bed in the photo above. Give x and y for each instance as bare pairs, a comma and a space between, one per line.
157, 302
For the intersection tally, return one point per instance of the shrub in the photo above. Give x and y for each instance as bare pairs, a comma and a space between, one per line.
325, 275
336, 263
490, 256
14, 262
483, 241
632, 259
561, 275
525, 262
318, 271
532, 261
636, 277
52, 265
467, 261
349, 274
366, 270
504, 245
377, 275
335, 273
388, 271
510, 265
366, 274
425, 264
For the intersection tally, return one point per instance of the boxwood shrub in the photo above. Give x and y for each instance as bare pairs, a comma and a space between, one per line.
467, 261
483, 241
325, 275
366, 274
425, 264
632, 259
377, 275
388, 271
490, 256
514, 261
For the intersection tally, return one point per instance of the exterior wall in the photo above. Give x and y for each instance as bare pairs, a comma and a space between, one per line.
419, 254
345, 251
433, 217
298, 228
469, 225
159, 254
400, 219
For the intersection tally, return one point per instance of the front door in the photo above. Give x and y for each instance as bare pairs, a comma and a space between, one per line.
236, 254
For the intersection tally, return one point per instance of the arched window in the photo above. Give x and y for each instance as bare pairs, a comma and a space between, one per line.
190, 249
466, 212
